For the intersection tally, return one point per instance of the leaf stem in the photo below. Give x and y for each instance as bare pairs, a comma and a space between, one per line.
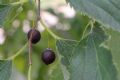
83, 35
29, 72
18, 53
50, 32
92, 25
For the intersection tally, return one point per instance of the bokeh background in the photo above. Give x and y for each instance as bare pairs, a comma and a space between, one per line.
63, 20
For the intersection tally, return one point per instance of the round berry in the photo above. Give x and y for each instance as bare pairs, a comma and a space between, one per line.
48, 56
34, 35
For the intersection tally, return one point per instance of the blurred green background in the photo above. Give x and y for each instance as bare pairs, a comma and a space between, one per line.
62, 20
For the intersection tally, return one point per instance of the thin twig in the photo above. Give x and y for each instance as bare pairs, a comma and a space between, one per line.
30, 47
37, 13
39, 9
36, 25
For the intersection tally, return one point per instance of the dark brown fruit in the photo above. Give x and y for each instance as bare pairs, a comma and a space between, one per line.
48, 56
34, 35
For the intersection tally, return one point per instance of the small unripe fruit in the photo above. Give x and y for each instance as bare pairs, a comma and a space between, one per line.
48, 56
34, 35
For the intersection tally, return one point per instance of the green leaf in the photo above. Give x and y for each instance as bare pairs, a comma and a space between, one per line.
7, 1
87, 59
5, 69
114, 45
106, 12
56, 72
8, 13
4, 10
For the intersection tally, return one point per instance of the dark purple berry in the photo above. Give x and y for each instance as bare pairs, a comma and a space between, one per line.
48, 56
34, 35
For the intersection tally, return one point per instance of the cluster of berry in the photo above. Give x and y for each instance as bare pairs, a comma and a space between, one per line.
48, 56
